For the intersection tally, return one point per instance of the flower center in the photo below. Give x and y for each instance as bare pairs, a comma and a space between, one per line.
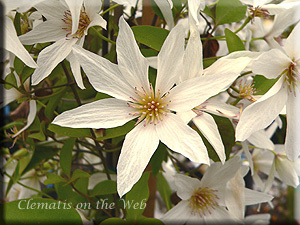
203, 200
84, 22
247, 90
259, 12
151, 107
291, 76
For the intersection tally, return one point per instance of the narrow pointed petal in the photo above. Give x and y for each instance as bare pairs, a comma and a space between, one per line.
103, 75
75, 67
13, 44
218, 78
105, 113
9, 96
179, 137
52, 9
276, 60
221, 108
254, 197
218, 216
97, 20
165, 8
131, 62
286, 171
75, 8
186, 186
292, 139
260, 114
292, 46
248, 156
138, 147
261, 140
48, 31
169, 60
50, 57
179, 214
208, 127
30, 118
186, 116
271, 175
92, 6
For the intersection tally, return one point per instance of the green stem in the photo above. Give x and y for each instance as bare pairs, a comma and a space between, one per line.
102, 37
114, 6
244, 24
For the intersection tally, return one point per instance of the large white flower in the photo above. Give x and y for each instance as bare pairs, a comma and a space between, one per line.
283, 63
67, 23
136, 98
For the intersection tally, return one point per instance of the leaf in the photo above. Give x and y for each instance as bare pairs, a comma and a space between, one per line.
229, 11
66, 193
113, 221
78, 174
234, 43
135, 200
262, 84
158, 157
11, 79
66, 156
150, 221
53, 178
26, 72
118, 131
53, 103
71, 132
104, 188
164, 190
39, 211
153, 37
17, 23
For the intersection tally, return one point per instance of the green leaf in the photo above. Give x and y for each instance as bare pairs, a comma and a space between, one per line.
229, 11
153, 37
150, 221
66, 156
18, 65
262, 84
113, 221
11, 79
234, 43
26, 72
81, 184
53, 103
17, 23
158, 157
53, 178
39, 211
104, 188
14, 179
135, 200
71, 132
78, 174
66, 193
164, 190
118, 131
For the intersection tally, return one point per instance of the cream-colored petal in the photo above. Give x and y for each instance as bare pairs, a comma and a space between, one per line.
75, 67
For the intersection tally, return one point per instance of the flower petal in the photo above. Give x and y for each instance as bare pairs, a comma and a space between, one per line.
185, 185
286, 172
179, 214
50, 57
52, 9
103, 75
50, 30
13, 44
248, 156
165, 8
271, 64
260, 114
220, 108
186, 116
30, 118
254, 197
139, 145
208, 127
75, 8
105, 113
179, 137
75, 67
133, 65
261, 140
92, 7
169, 60
97, 20
292, 139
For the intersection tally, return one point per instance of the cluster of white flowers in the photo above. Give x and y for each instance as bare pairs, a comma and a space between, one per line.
184, 94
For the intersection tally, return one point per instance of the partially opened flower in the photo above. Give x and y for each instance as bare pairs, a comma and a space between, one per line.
135, 97
66, 25
284, 64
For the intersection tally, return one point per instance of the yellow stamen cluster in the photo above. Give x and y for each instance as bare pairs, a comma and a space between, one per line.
247, 90
259, 12
151, 107
84, 22
291, 76
203, 201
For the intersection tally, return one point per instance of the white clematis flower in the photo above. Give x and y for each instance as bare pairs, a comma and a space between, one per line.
136, 98
283, 63
67, 23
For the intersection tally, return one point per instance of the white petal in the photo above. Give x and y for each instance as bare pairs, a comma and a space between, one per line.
186, 116
220, 108
97, 20
92, 7
9, 96
50, 30
75, 8
103, 75
254, 197
292, 139
179, 137
165, 8
218, 78
50, 57
261, 140
260, 114
271, 64
52, 9
208, 127
193, 65
105, 113
75, 67
179, 214
270, 179
13, 44
30, 118
217, 174
194, 10
258, 219
131, 62
258, 181
186, 186
169, 60
218, 216
138, 147
248, 155
286, 171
